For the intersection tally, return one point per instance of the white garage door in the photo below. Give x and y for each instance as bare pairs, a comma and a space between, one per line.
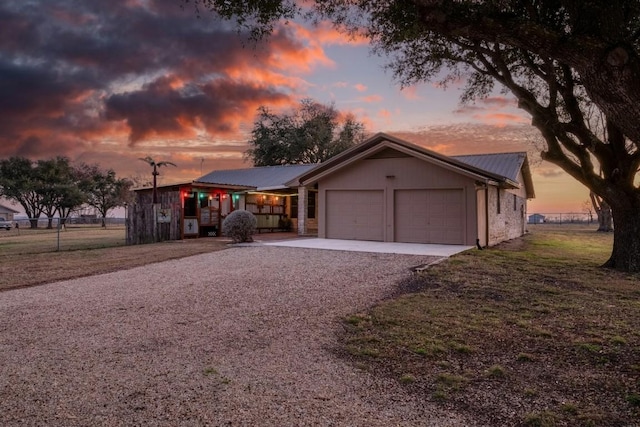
355, 215
429, 216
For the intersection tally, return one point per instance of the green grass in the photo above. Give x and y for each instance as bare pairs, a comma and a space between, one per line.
559, 334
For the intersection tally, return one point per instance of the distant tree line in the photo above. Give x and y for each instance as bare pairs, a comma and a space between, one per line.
56, 186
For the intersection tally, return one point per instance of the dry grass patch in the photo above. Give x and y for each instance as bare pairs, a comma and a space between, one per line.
30, 258
529, 333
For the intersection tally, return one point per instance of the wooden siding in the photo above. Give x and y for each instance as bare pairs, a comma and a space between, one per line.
141, 222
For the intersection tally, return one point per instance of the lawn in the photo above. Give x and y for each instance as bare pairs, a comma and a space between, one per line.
529, 333
31, 257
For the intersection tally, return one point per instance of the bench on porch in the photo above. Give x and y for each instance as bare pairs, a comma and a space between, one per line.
273, 222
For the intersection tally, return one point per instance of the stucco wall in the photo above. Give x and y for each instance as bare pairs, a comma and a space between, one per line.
390, 174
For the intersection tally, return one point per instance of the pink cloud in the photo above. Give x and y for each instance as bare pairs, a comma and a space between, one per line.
371, 98
410, 93
384, 113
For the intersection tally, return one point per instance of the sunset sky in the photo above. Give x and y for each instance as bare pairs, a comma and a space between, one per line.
109, 82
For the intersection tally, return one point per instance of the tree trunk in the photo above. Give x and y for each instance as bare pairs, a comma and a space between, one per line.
33, 223
603, 210
626, 240
605, 219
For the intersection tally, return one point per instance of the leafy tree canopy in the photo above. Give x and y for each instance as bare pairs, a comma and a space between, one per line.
20, 180
562, 60
59, 187
311, 133
104, 190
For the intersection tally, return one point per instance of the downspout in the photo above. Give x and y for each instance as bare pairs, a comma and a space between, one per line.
486, 207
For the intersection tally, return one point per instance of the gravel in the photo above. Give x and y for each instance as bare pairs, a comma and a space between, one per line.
240, 337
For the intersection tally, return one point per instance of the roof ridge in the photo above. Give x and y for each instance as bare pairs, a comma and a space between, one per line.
490, 154
264, 167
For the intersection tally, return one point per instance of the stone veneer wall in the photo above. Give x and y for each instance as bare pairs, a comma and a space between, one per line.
510, 222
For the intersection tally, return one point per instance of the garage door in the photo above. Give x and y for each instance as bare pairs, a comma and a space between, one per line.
355, 215
429, 216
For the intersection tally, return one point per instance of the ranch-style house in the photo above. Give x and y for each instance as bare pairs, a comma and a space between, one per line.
384, 189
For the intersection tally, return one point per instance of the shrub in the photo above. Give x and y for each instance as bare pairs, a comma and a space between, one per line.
240, 226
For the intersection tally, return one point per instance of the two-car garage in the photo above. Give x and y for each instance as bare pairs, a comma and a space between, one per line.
386, 189
413, 215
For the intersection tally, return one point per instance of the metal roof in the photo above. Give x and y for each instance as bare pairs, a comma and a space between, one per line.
507, 165
261, 178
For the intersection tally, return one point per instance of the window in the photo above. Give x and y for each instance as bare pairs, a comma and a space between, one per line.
294, 206
515, 203
498, 193
311, 204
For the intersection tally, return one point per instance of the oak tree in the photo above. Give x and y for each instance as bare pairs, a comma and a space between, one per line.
311, 133
104, 190
20, 181
558, 58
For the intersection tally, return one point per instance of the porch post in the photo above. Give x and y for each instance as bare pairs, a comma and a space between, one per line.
303, 197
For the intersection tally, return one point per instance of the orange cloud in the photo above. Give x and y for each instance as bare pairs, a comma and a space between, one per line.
266, 77
500, 119
490, 111
471, 138
499, 101
326, 34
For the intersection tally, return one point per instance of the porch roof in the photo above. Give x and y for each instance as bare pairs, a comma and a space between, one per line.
177, 185
263, 178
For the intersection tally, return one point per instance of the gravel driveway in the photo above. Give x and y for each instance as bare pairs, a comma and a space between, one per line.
240, 337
